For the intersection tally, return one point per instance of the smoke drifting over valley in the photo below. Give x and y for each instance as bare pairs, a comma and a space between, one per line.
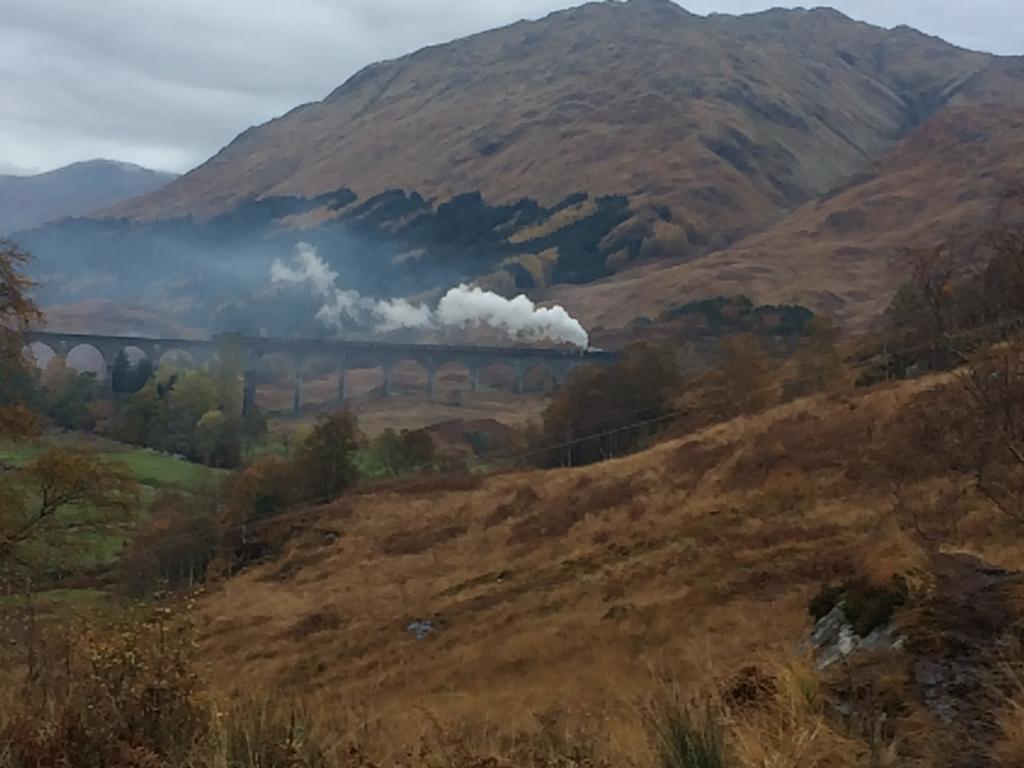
462, 307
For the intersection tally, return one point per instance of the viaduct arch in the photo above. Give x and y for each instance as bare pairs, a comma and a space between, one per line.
348, 356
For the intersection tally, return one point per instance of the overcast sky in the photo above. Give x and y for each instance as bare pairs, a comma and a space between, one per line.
166, 83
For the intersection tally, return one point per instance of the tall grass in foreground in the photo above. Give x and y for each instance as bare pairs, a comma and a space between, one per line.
131, 695
684, 739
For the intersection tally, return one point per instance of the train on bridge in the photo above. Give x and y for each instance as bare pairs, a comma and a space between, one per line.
346, 355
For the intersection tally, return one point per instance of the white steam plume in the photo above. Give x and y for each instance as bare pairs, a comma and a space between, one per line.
309, 268
519, 317
461, 307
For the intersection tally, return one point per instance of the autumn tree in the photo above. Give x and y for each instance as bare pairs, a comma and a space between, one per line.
990, 443
607, 411
218, 440
182, 412
68, 396
173, 547
965, 437
59, 496
261, 490
959, 296
325, 462
741, 380
1001, 289
18, 312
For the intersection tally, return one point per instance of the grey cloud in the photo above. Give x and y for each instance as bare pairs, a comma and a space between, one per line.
166, 84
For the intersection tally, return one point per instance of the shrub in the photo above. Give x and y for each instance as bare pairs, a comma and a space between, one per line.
401, 453
867, 606
172, 548
603, 412
261, 490
121, 696
67, 396
325, 463
36, 501
742, 379
127, 695
218, 440
824, 601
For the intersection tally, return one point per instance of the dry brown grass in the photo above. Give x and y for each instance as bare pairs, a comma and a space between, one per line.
1009, 749
579, 590
422, 485
792, 729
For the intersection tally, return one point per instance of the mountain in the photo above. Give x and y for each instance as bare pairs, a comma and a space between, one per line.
620, 157
727, 120
74, 190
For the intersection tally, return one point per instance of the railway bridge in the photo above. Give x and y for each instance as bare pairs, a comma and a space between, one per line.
345, 355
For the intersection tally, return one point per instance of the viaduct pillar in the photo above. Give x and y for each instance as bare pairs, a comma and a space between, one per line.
432, 369
519, 374
248, 391
343, 385
297, 394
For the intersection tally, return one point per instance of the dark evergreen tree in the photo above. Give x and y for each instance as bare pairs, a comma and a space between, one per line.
141, 374
120, 374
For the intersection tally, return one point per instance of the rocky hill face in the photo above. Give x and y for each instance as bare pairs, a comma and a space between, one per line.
619, 156
74, 190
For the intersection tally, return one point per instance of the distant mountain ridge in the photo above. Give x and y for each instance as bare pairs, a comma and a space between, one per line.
74, 190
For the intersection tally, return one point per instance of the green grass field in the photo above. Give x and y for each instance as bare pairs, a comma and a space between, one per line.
155, 472
158, 471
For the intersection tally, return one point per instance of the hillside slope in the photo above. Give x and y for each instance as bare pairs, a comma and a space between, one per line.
728, 120
843, 254
74, 190
489, 604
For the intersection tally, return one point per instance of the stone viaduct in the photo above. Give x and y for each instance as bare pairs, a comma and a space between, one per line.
346, 356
